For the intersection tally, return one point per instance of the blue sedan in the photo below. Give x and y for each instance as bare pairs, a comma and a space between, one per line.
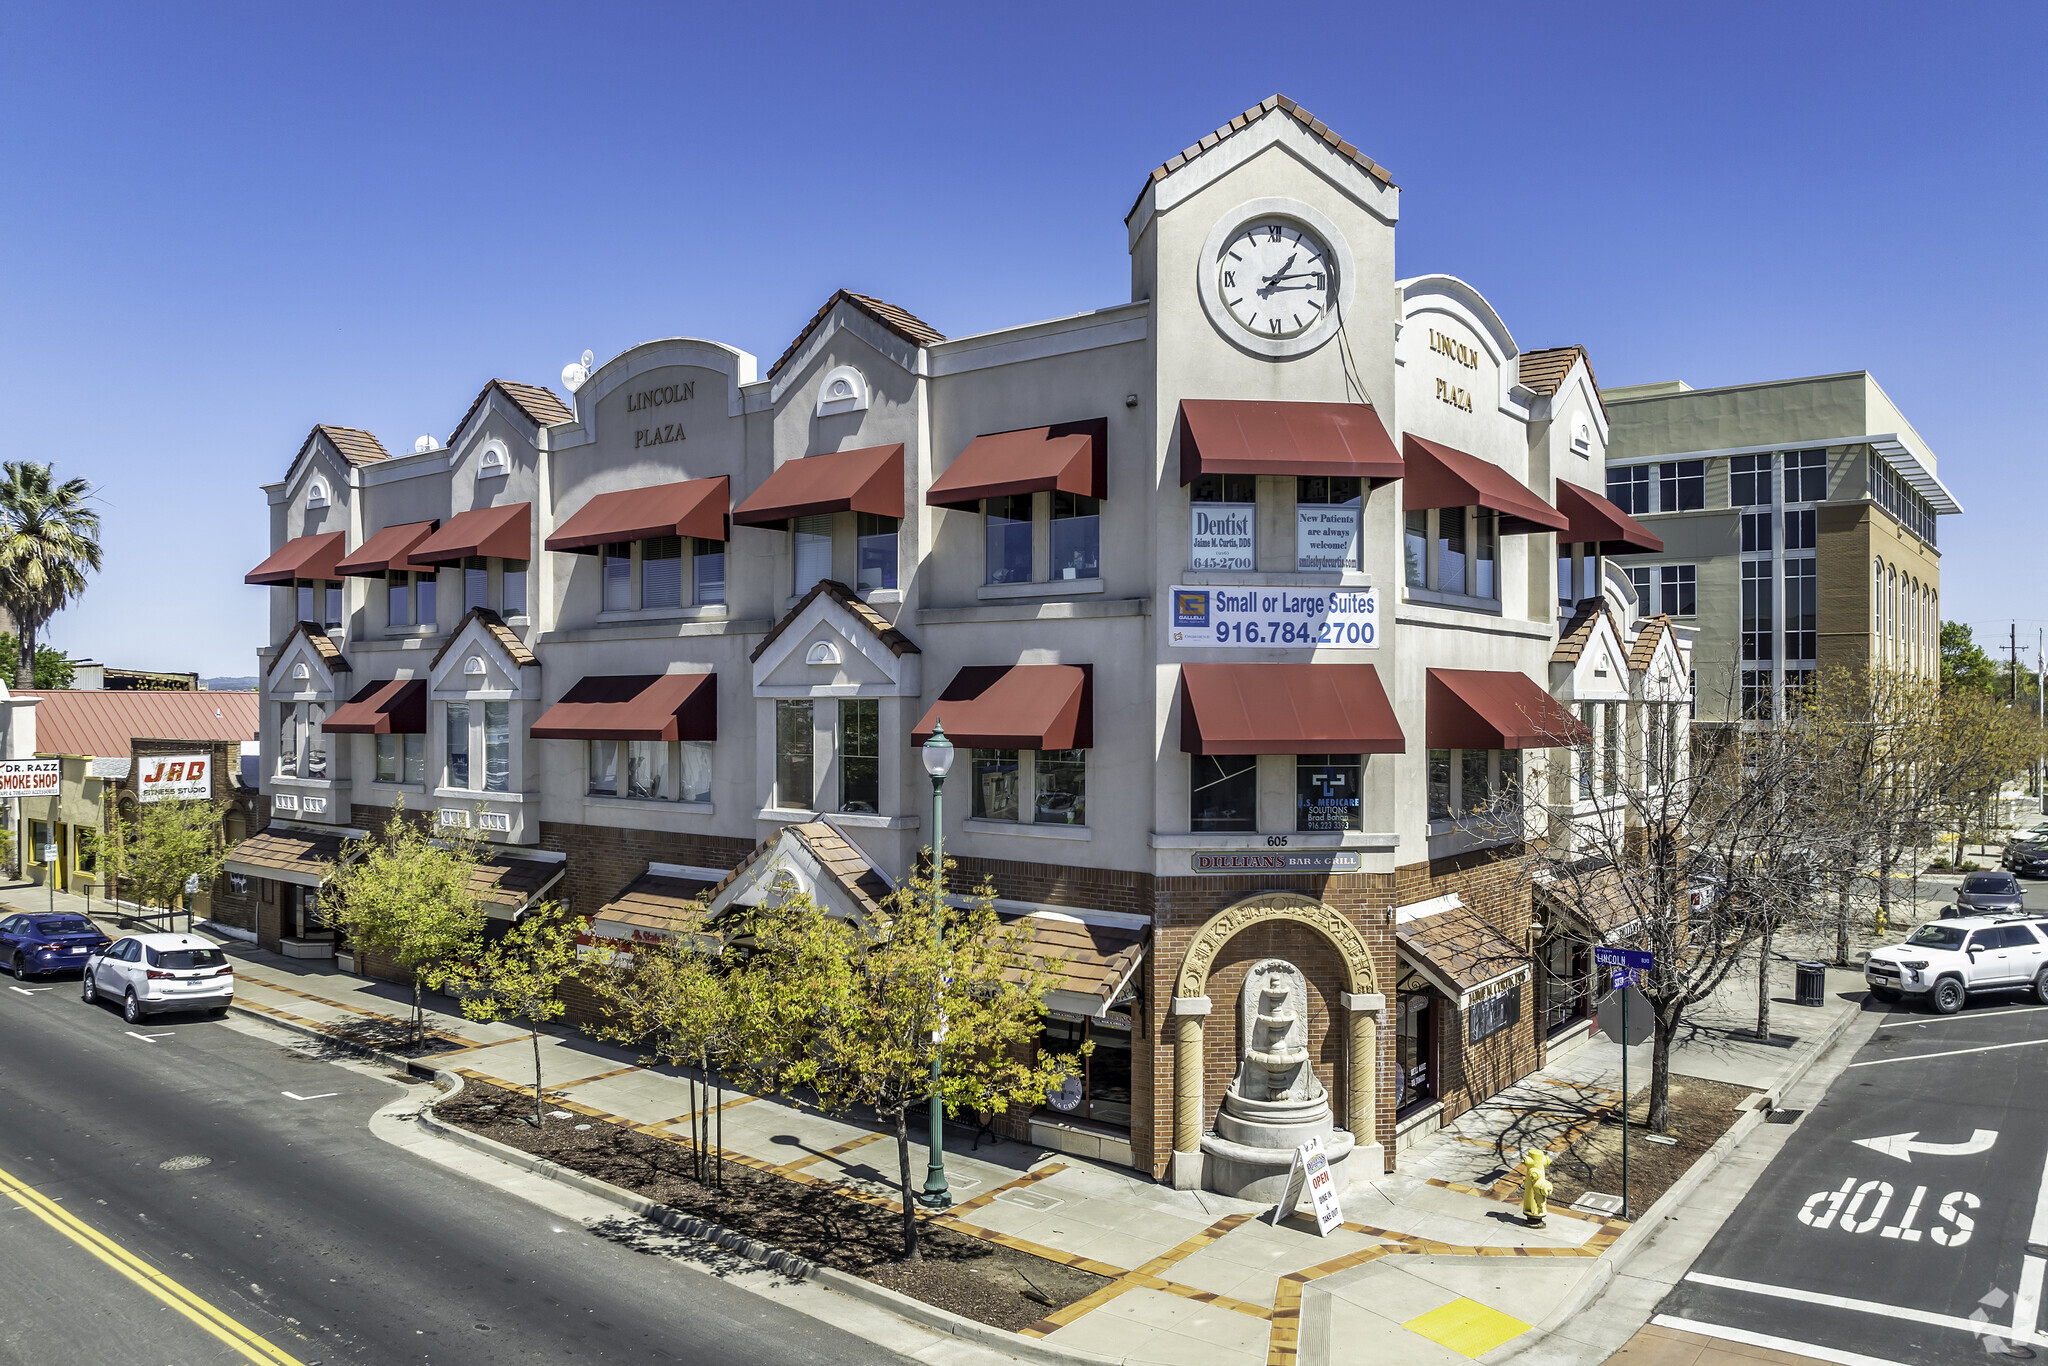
37, 945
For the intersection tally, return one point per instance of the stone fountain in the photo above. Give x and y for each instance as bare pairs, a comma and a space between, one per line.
1274, 1104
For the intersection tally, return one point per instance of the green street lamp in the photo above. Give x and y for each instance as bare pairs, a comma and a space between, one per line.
938, 761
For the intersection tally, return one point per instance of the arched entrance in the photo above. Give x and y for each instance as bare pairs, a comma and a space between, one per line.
1361, 999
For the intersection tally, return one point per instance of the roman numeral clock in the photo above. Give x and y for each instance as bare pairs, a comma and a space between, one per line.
1276, 278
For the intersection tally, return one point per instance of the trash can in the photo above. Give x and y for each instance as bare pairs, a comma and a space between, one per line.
1812, 983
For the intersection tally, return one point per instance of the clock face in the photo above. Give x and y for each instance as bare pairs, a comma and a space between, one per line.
1276, 278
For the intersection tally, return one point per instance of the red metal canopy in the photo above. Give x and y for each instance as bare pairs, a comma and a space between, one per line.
1286, 709
1441, 476
1488, 709
694, 507
506, 532
302, 557
866, 480
634, 707
1016, 706
1072, 457
396, 706
390, 548
1258, 436
1594, 519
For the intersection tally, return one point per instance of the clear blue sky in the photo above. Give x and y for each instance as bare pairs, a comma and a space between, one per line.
221, 225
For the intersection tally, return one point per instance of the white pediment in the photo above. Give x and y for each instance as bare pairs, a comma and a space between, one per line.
302, 671
1664, 680
475, 661
1601, 672
829, 652
789, 867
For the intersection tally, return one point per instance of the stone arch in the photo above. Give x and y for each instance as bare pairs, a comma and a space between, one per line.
1361, 999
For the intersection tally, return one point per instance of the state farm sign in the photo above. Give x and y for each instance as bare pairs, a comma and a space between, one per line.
166, 777
30, 777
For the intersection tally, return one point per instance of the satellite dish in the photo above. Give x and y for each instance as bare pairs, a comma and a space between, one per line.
588, 358
574, 375
425, 444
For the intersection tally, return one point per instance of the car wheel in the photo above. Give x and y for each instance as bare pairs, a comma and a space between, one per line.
131, 1009
2041, 987
1948, 996
88, 991
20, 969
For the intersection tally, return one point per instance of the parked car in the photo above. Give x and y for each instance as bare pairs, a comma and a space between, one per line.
148, 973
1945, 962
38, 945
1981, 893
2027, 853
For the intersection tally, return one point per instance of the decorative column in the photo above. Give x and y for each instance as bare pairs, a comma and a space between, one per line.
1185, 1172
1362, 1109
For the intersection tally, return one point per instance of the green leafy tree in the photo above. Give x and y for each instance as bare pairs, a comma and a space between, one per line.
520, 977
49, 542
159, 847
413, 899
1963, 661
855, 1017
53, 667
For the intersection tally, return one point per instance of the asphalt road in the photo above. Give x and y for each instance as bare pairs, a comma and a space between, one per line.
303, 1228
1906, 1218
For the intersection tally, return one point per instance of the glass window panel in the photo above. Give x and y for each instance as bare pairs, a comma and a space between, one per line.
995, 784
1076, 536
1473, 781
288, 740
425, 588
1564, 573
387, 758
333, 604
860, 750
1799, 529
617, 559
661, 571
646, 769
458, 743
1589, 717
811, 547
1643, 580
708, 568
1326, 792
1327, 515
1223, 792
1109, 1075
1486, 556
793, 788
1806, 476
1749, 481
696, 774
1756, 609
512, 588
604, 768
1060, 787
476, 582
1509, 784
1679, 590
1224, 488
876, 550
497, 746
416, 758
1223, 522
1610, 760
1009, 538
1415, 548
307, 606
1681, 485
1589, 570
1450, 550
397, 598
1628, 488
1439, 785
315, 741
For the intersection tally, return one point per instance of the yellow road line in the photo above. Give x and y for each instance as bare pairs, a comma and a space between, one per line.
246, 1342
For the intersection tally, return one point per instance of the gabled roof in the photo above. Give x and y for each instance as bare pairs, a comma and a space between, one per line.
898, 643
1542, 371
356, 446
837, 859
104, 724
1578, 632
514, 648
1271, 104
908, 326
537, 403
1645, 648
322, 645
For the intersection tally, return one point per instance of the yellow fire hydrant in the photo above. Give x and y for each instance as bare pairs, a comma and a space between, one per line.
1535, 1170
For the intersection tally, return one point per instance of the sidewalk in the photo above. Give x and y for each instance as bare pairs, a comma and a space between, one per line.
1434, 1264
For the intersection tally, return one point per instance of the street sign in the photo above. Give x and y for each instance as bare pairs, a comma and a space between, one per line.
1311, 1174
1626, 1018
1635, 960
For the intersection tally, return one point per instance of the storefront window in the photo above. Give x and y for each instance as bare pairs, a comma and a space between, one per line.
1223, 518
661, 571
876, 551
1223, 792
1326, 513
1076, 536
1567, 983
995, 784
1060, 783
793, 787
1008, 533
1416, 1008
1101, 1092
860, 750
1327, 788
709, 569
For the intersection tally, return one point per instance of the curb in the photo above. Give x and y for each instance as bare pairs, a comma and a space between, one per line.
412, 1066
1709, 1162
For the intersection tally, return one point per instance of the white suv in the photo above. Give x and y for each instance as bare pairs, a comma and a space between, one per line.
1946, 961
147, 973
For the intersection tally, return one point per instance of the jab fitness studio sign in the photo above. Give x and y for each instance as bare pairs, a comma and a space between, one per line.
1303, 618
170, 777
30, 777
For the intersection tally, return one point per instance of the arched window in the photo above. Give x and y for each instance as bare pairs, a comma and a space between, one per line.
1877, 598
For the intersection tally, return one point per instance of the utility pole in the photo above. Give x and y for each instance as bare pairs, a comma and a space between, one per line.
2012, 682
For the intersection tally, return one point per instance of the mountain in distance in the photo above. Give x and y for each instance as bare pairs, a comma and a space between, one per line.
230, 683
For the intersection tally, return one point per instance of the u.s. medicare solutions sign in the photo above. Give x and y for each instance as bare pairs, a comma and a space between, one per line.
30, 777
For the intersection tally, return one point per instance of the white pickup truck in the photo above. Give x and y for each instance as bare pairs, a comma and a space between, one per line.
1948, 961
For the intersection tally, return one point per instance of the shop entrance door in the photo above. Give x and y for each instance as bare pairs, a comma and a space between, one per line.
1418, 1013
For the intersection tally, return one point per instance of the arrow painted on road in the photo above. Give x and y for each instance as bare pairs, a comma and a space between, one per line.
29, 991
324, 1095
149, 1038
1902, 1146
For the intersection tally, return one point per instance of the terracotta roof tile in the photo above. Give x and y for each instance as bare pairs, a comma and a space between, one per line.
1091, 960
898, 643
1544, 370
656, 902
103, 724
1578, 632
288, 855
495, 624
1272, 104
1645, 648
1462, 945
908, 326
512, 883
539, 404
1598, 901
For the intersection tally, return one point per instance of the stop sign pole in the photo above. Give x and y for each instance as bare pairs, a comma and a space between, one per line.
1626, 1018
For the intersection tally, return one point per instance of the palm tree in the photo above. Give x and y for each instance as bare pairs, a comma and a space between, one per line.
49, 541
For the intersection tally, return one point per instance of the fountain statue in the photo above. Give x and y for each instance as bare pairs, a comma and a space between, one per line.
1275, 1103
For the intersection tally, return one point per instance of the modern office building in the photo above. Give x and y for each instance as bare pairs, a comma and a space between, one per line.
1799, 526
1236, 598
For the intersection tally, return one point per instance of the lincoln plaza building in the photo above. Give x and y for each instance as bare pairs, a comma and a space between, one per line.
1237, 599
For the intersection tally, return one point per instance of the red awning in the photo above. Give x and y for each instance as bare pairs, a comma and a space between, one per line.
866, 480
1072, 457
506, 532
1286, 709
302, 557
390, 548
397, 706
1442, 477
634, 707
1016, 706
695, 507
1486, 709
1256, 436
1593, 519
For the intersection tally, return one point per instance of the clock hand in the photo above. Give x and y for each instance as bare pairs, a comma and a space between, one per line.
1283, 268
